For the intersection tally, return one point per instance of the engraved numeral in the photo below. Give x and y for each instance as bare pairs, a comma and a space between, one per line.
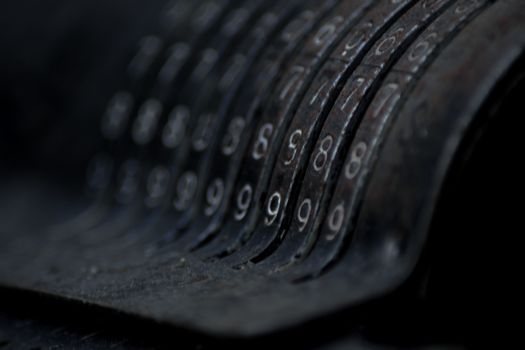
174, 13
175, 129
117, 115
297, 72
150, 47
356, 160
319, 91
173, 63
203, 132
244, 199
185, 191
462, 9
214, 197
146, 123
324, 33
335, 221
272, 208
422, 48
322, 153
294, 28
235, 21
293, 144
303, 213
157, 185
357, 38
232, 72
263, 141
387, 98
208, 59
204, 14
128, 181
388, 43
232, 138
356, 85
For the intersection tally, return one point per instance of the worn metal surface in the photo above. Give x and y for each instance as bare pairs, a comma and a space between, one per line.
259, 164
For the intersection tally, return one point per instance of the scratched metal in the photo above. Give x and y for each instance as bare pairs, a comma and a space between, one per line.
257, 164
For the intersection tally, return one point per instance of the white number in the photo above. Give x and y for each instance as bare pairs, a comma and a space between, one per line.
174, 13
295, 77
294, 28
356, 160
214, 196
303, 213
202, 134
358, 37
322, 154
387, 98
157, 184
175, 128
185, 191
117, 115
146, 123
335, 221
208, 59
463, 9
293, 142
243, 202
129, 179
388, 43
268, 20
318, 92
327, 30
272, 209
422, 48
356, 85
173, 64
261, 146
233, 136
235, 21
232, 72
205, 14
150, 47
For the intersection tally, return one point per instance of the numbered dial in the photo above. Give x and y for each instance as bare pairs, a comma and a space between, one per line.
367, 76
339, 217
263, 77
304, 131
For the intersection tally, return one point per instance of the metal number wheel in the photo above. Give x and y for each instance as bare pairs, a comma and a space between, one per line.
245, 172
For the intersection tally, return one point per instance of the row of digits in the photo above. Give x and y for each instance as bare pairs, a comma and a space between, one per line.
246, 131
